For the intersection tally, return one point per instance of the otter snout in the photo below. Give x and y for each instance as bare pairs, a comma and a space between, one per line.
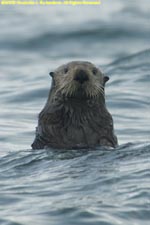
81, 76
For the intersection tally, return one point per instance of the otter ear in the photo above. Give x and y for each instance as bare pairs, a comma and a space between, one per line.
106, 78
51, 74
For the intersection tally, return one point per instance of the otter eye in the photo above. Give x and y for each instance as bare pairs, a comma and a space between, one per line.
66, 70
94, 71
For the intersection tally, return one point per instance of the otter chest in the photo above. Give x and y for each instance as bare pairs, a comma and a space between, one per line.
77, 126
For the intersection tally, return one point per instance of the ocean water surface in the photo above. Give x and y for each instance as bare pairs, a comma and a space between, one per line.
77, 187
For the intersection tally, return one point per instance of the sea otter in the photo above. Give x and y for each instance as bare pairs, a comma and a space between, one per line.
75, 114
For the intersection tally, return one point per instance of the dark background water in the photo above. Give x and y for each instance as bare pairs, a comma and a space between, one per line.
93, 187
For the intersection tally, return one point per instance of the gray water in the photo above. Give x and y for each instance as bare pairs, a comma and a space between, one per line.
76, 187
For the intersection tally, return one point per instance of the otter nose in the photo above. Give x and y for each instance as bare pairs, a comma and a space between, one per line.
81, 76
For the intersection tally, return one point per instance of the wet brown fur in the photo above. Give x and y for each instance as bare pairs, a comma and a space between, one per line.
75, 115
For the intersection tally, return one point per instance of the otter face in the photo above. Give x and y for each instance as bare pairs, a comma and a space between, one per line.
79, 79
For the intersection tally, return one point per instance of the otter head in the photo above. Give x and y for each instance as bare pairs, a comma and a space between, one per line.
78, 79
